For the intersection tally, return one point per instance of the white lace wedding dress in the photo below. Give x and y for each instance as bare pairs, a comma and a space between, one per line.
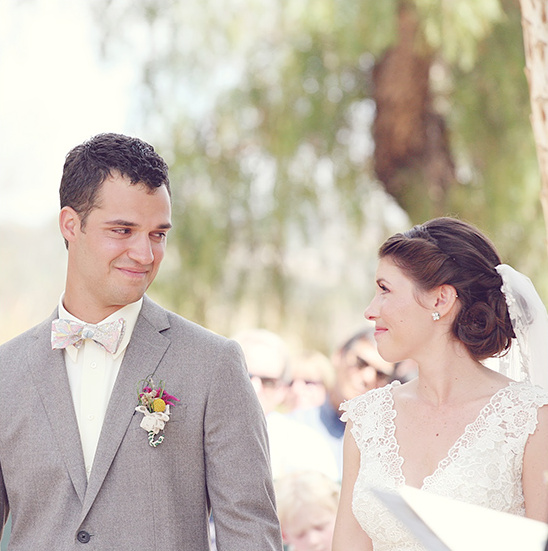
483, 467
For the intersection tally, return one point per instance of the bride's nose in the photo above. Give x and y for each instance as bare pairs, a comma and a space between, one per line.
371, 311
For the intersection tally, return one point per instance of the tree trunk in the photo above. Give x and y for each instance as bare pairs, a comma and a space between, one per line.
412, 156
534, 17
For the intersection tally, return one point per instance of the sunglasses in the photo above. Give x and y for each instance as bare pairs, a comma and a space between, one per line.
362, 364
267, 382
307, 382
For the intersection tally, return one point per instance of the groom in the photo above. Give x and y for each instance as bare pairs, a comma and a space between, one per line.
124, 425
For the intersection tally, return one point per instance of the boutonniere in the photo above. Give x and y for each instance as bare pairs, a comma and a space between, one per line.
154, 403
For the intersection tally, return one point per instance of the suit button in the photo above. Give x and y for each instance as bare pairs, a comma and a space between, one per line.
83, 536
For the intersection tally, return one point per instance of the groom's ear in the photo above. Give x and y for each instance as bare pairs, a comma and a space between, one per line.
69, 224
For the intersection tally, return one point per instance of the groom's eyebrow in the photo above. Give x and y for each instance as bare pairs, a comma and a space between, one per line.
127, 224
120, 222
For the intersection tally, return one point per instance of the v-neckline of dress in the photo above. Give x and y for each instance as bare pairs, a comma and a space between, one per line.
452, 452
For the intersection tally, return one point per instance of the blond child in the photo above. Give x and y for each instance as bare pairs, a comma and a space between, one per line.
307, 507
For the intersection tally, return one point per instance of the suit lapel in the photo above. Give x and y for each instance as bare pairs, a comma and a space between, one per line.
48, 371
142, 357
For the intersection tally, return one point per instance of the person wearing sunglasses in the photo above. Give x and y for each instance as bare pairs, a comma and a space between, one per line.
293, 446
358, 367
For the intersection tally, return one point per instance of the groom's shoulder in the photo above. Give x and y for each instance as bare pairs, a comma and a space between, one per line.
178, 326
21, 342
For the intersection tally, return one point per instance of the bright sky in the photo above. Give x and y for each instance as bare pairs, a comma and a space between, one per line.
54, 94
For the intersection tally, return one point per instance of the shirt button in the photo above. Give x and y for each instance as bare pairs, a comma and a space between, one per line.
83, 536
91, 417
93, 365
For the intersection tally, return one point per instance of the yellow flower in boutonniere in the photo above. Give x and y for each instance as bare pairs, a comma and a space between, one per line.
158, 405
154, 403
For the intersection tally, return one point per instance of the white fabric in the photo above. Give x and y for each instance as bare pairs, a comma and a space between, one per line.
296, 447
483, 467
528, 355
92, 372
153, 421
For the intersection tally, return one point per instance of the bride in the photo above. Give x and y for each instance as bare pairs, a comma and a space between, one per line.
459, 429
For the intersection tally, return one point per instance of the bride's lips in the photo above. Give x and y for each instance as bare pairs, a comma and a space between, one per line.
380, 331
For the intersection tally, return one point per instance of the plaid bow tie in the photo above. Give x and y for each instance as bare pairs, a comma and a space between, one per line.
67, 332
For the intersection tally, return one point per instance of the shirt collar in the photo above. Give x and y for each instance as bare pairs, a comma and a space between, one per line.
130, 313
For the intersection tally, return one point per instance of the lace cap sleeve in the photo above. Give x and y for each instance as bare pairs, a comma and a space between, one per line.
344, 408
365, 411
351, 408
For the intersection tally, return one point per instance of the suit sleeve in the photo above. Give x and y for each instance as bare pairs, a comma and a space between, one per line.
239, 479
4, 505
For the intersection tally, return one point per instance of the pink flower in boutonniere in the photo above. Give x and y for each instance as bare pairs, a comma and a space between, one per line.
154, 403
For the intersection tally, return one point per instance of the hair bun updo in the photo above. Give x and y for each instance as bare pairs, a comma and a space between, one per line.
447, 251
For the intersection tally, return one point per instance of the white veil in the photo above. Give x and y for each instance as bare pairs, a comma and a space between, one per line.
527, 358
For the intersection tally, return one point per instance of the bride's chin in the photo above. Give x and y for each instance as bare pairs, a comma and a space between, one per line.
390, 356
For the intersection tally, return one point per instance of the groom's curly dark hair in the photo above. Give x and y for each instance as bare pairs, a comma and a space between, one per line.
88, 165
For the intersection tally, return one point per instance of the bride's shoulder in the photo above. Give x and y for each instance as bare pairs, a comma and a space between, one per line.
527, 392
373, 399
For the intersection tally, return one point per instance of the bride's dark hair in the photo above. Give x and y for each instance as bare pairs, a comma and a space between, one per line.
449, 251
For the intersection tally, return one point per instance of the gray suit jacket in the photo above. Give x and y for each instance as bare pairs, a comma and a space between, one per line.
138, 497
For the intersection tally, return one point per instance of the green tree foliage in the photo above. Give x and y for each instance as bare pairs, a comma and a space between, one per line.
264, 111
494, 147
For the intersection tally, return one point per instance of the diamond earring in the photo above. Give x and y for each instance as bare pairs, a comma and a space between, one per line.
435, 316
